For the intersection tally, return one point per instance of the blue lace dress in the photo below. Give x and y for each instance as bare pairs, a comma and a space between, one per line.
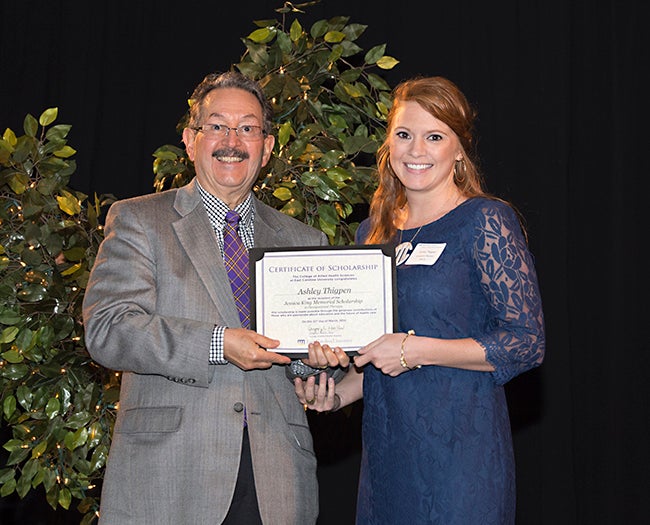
437, 445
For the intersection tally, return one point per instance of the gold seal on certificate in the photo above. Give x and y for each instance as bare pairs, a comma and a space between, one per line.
338, 295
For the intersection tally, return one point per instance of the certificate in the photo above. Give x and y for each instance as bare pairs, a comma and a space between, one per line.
338, 295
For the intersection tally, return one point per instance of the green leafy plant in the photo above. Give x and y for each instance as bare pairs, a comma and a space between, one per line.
330, 112
57, 402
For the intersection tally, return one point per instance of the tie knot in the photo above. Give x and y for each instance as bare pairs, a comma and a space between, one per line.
232, 218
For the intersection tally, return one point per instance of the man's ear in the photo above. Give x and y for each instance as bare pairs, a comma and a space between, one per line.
269, 142
188, 139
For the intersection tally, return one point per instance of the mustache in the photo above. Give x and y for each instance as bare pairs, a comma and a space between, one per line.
230, 152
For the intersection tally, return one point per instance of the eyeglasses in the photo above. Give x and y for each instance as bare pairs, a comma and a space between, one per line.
245, 132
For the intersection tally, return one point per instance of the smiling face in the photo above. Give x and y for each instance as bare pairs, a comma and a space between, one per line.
423, 150
227, 166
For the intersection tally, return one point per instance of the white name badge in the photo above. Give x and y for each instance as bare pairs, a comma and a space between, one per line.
426, 254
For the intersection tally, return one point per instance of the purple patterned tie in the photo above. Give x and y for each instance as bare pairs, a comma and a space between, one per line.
235, 257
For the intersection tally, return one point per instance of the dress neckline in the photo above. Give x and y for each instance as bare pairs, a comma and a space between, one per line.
439, 219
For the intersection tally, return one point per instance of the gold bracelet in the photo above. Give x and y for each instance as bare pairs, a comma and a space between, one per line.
402, 359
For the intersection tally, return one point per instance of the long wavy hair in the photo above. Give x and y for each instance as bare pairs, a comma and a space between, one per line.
443, 100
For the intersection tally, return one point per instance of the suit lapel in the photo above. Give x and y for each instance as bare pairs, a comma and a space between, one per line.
195, 234
268, 232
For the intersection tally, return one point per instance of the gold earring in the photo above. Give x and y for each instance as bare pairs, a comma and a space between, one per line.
460, 171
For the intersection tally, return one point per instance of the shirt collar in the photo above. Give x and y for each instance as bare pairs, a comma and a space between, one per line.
217, 209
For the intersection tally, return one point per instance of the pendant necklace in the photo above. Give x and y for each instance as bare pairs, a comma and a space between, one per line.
403, 249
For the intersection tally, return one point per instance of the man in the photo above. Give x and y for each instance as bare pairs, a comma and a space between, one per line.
209, 430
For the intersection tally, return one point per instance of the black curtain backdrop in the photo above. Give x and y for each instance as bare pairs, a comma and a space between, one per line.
562, 128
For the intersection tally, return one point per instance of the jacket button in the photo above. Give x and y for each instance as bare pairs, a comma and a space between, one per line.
238, 406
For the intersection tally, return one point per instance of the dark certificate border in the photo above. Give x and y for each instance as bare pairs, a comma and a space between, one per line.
256, 254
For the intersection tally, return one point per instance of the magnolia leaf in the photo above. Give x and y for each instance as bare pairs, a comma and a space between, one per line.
6, 474
377, 82
8, 488
99, 457
349, 49
30, 125
295, 31
10, 137
338, 174
250, 69
75, 439
33, 292
71, 270
18, 182
24, 396
332, 158
326, 227
58, 133
163, 154
48, 116
326, 192
69, 203
310, 178
23, 485
293, 208
65, 152
332, 37
52, 496
387, 62
45, 335
95, 435
18, 455
12, 445
39, 449
284, 42
9, 334
328, 214
355, 144
13, 356
375, 53
337, 52
337, 121
318, 29
25, 340
9, 317
343, 210
355, 90
79, 419
52, 408
258, 53
284, 133
9, 406
262, 35
296, 148
65, 498
49, 479
75, 254
283, 194
14, 372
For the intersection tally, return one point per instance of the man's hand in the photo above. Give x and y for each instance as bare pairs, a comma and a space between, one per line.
248, 349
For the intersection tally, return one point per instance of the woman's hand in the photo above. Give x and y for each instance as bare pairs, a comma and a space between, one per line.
384, 354
320, 397
323, 356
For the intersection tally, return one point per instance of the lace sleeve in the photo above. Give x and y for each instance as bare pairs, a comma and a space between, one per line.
515, 339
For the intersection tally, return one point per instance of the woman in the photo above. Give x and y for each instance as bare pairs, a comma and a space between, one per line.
437, 444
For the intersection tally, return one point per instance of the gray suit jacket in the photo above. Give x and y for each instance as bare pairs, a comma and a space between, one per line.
157, 289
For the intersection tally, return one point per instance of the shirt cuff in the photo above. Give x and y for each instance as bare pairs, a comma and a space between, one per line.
216, 347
